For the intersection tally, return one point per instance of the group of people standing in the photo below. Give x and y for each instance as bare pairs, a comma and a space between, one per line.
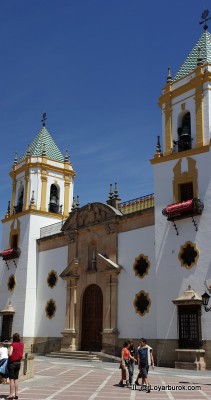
128, 359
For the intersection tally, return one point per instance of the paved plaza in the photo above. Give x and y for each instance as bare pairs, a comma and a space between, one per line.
61, 379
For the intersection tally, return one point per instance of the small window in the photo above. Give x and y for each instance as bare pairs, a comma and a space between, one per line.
189, 327
54, 199
19, 207
184, 133
186, 191
14, 241
92, 257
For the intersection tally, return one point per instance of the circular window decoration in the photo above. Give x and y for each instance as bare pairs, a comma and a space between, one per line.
141, 266
50, 308
52, 279
188, 255
142, 303
11, 282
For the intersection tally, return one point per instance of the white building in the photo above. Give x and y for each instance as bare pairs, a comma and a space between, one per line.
118, 270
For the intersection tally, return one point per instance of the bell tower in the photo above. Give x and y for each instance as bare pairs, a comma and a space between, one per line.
183, 188
42, 195
186, 100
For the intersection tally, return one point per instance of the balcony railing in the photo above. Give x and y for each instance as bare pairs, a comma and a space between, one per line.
183, 209
51, 229
10, 254
140, 203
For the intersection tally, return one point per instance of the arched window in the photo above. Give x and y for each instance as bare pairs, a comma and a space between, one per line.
19, 207
184, 133
54, 199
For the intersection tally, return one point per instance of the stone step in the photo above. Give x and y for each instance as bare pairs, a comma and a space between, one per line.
83, 356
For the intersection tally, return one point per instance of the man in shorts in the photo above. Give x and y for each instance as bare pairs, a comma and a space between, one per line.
145, 358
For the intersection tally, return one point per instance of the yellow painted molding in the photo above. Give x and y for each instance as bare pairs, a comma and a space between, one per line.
196, 81
45, 166
66, 195
14, 185
185, 177
181, 154
44, 179
26, 191
199, 117
33, 212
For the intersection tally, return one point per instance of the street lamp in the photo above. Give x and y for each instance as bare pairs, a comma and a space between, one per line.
205, 300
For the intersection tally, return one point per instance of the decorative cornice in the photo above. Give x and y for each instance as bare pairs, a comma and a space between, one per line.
181, 154
43, 166
37, 212
196, 81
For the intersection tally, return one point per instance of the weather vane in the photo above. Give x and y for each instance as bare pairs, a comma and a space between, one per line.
205, 19
43, 119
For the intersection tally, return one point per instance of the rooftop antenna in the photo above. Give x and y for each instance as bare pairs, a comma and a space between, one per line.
43, 120
205, 18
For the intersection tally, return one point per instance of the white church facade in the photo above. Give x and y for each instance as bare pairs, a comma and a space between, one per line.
87, 278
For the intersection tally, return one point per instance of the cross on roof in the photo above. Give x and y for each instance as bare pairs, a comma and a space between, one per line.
43, 119
205, 19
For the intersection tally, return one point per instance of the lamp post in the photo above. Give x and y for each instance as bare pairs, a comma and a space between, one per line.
205, 300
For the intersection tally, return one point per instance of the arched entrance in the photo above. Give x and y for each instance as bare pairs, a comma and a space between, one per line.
92, 319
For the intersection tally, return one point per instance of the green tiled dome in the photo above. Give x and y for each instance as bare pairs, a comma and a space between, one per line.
204, 43
44, 141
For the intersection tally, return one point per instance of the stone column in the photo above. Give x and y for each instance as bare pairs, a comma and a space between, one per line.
110, 332
168, 127
69, 333
66, 196
43, 190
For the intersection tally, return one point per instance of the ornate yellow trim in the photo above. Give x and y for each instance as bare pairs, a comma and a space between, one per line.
195, 82
185, 177
182, 248
199, 117
14, 185
43, 166
34, 212
137, 260
11, 279
26, 191
181, 154
66, 195
144, 295
168, 128
44, 179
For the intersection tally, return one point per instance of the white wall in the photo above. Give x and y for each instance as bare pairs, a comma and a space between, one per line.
130, 245
171, 278
49, 260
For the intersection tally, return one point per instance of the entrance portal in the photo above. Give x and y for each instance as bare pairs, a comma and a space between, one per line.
92, 319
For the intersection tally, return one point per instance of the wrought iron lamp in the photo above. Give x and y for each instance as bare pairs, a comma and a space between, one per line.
205, 300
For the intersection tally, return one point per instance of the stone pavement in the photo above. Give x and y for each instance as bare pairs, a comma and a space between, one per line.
61, 379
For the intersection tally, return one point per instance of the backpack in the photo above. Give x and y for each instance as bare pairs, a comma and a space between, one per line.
143, 354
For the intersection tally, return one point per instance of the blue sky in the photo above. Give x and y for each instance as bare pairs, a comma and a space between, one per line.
96, 67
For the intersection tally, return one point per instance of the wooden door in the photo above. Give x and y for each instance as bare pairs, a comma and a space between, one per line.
92, 319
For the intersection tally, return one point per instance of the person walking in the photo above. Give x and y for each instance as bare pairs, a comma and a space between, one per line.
125, 360
15, 355
145, 359
131, 363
